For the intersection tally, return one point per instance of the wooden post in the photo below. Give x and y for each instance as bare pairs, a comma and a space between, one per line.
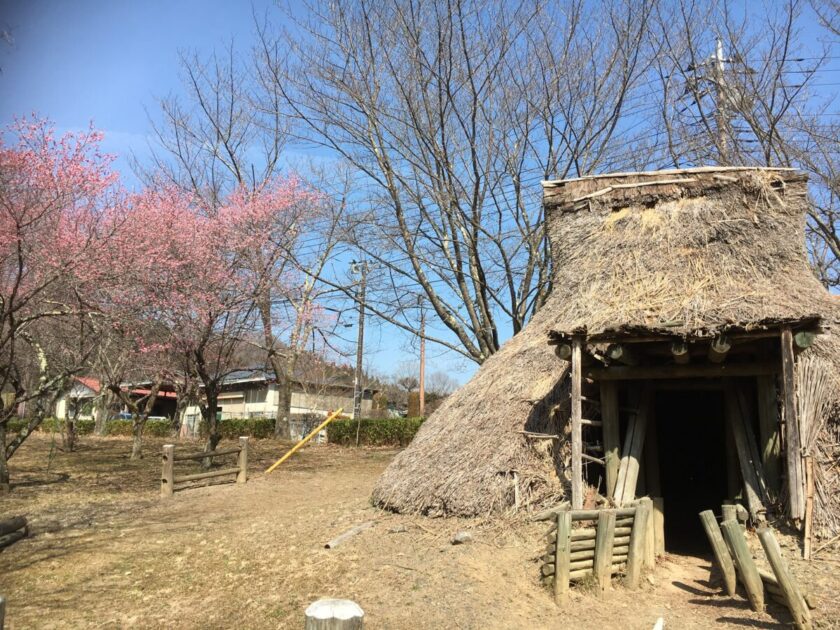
611, 435
2, 612
753, 487
167, 476
770, 440
628, 471
604, 539
242, 476
809, 506
793, 456
562, 560
334, 614
728, 512
577, 438
789, 587
636, 552
659, 525
650, 536
721, 552
745, 564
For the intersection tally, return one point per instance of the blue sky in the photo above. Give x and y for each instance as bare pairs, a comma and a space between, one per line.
109, 62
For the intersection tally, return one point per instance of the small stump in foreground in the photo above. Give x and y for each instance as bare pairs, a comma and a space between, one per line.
334, 614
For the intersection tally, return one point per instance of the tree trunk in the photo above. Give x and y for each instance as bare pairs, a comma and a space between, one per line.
137, 436
4, 467
212, 418
69, 434
282, 427
103, 412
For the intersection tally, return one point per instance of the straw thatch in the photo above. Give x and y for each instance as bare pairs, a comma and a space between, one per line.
688, 253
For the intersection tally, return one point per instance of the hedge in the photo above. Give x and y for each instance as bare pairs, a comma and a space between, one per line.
374, 431
232, 428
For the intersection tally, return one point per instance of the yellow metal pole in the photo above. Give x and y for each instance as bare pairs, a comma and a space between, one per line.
315, 432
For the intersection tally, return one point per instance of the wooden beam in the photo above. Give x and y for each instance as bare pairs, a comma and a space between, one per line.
769, 438
739, 426
719, 348
679, 350
793, 455
722, 557
803, 339
628, 470
621, 372
577, 437
610, 433
622, 354
745, 564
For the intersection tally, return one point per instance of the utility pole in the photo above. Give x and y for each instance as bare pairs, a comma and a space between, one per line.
422, 358
721, 96
358, 385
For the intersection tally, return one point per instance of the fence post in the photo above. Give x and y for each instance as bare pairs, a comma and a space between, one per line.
636, 552
650, 536
242, 476
562, 559
2, 611
604, 540
167, 477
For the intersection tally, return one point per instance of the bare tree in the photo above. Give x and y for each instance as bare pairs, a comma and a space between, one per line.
448, 112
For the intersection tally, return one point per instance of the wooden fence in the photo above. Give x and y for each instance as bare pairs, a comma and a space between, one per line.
736, 564
169, 482
599, 543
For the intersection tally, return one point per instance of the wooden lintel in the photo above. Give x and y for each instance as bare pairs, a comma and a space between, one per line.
711, 370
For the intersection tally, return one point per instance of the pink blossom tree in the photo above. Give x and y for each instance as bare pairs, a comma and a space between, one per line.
58, 197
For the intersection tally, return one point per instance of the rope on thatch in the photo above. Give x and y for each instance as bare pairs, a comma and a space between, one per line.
816, 387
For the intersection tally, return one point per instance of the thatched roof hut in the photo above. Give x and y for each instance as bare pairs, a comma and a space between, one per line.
666, 281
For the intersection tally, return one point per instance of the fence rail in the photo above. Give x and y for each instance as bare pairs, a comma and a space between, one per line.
618, 540
169, 482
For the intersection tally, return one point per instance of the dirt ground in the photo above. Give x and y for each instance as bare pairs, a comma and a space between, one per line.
107, 552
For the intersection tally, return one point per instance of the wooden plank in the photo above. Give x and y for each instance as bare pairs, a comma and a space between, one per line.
207, 475
744, 563
628, 470
604, 540
12, 524
738, 425
659, 525
218, 453
562, 561
636, 555
699, 370
789, 587
577, 439
611, 434
793, 457
167, 475
769, 438
721, 552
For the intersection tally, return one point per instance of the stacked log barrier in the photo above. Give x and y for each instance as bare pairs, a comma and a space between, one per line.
574, 554
169, 482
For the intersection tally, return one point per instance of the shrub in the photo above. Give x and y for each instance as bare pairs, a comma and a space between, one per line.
374, 431
258, 428
153, 428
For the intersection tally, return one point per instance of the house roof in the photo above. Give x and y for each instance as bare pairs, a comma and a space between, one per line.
690, 252
91, 383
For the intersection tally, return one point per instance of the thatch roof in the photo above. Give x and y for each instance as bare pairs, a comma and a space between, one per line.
686, 253
691, 252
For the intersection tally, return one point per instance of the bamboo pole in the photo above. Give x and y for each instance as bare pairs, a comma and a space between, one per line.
300, 444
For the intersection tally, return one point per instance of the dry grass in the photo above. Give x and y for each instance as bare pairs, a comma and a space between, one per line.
107, 553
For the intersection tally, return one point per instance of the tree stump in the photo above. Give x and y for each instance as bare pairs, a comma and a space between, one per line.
334, 614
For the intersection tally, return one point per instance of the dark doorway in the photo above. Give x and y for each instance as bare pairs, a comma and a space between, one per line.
692, 462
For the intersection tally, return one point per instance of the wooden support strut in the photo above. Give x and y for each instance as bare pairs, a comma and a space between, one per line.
721, 552
788, 586
744, 563
577, 437
793, 454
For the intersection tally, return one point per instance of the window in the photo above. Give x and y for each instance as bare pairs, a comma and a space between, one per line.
256, 395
